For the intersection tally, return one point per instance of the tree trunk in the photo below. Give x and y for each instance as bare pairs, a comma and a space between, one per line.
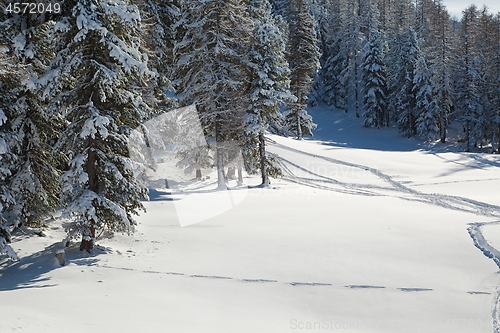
240, 176
262, 153
88, 244
231, 171
299, 127
221, 182
198, 174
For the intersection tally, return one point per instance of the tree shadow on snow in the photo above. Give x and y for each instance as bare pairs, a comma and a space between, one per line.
31, 271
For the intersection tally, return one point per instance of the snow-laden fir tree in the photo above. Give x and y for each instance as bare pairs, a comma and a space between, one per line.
441, 61
487, 44
426, 109
269, 88
403, 96
35, 182
159, 20
494, 83
10, 74
303, 57
375, 83
211, 68
335, 60
192, 150
468, 77
95, 82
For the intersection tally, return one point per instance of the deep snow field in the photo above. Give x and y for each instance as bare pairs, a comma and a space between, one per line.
367, 232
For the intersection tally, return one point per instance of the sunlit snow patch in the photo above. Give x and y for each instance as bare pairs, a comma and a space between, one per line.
154, 148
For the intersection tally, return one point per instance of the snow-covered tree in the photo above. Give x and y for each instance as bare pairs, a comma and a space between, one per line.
335, 59
375, 83
304, 58
10, 74
441, 61
159, 21
210, 68
426, 109
403, 96
35, 181
269, 88
468, 77
95, 82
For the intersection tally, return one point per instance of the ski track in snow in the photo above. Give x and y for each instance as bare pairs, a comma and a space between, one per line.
289, 283
446, 201
452, 202
491, 252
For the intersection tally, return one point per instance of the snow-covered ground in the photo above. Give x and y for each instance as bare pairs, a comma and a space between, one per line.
367, 232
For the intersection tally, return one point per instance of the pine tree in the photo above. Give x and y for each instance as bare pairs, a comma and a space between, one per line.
335, 60
10, 75
159, 21
269, 88
35, 182
467, 94
375, 83
94, 82
403, 94
304, 58
426, 109
441, 61
494, 83
211, 67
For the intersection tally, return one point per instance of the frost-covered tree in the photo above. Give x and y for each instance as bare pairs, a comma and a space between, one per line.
95, 83
335, 59
468, 77
35, 181
159, 21
211, 68
426, 109
10, 74
303, 58
441, 61
269, 88
375, 83
403, 96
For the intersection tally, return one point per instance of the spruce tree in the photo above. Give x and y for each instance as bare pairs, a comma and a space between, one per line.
95, 83
467, 80
159, 21
269, 88
10, 75
441, 61
304, 58
211, 68
403, 95
375, 83
426, 109
35, 182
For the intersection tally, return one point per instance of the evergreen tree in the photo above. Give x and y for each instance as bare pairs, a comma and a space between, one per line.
375, 83
426, 109
304, 58
441, 59
269, 88
10, 74
467, 94
335, 60
35, 182
403, 93
210, 71
159, 21
94, 82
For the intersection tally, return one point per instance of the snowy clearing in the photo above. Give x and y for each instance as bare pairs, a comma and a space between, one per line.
366, 232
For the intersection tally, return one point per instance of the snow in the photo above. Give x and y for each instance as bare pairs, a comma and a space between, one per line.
367, 231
